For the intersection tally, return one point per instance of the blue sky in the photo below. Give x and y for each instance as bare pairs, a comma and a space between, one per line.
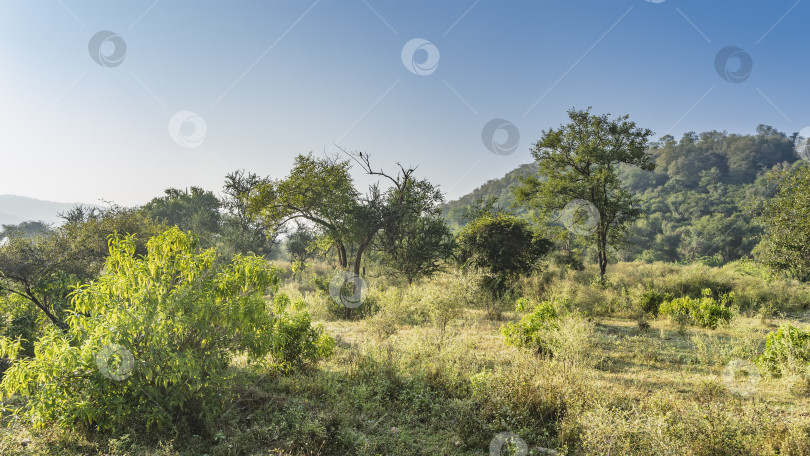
263, 81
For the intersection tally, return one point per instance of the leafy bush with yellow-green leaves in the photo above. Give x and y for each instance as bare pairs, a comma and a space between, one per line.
149, 341
707, 311
787, 351
535, 329
295, 341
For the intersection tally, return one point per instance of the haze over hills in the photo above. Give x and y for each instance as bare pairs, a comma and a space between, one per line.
16, 209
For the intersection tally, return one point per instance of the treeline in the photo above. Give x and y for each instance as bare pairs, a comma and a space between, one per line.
700, 203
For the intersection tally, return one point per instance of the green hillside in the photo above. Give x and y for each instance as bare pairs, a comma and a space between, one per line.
500, 188
699, 202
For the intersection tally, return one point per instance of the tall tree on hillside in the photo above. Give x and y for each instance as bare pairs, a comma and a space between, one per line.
786, 243
579, 163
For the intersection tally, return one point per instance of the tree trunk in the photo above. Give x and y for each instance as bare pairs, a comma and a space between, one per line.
341, 250
359, 257
602, 247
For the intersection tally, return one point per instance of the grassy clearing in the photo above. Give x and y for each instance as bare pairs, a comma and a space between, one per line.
399, 384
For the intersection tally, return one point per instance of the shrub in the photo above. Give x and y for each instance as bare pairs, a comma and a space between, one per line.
535, 329
295, 341
150, 340
650, 301
706, 311
787, 351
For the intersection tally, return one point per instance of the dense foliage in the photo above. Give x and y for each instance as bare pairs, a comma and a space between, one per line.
150, 340
705, 311
786, 243
535, 330
503, 246
787, 352
699, 204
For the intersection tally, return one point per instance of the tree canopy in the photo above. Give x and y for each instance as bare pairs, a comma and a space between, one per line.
579, 162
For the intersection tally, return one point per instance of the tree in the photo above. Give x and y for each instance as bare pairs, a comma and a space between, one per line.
322, 192
504, 246
42, 268
579, 162
24, 229
195, 210
241, 230
785, 245
151, 338
416, 247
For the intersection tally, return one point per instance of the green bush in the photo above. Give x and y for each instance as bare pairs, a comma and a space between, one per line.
151, 339
650, 301
295, 341
535, 329
787, 351
706, 311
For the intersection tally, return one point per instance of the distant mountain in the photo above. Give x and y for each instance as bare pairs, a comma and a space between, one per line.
15, 209
501, 188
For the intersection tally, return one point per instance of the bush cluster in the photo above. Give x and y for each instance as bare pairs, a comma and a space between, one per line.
706, 311
787, 351
535, 329
150, 341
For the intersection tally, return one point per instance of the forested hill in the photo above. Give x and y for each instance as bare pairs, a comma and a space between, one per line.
699, 203
500, 188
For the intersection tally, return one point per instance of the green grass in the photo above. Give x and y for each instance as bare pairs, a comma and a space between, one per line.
414, 389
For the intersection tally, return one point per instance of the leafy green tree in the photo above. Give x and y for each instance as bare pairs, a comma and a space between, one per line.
151, 339
42, 268
416, 247
321, 191
240, 230
24, 229
195, 210
579, 161
504, 246
786, 243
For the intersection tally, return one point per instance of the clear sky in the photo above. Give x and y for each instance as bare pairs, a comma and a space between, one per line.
120, 100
